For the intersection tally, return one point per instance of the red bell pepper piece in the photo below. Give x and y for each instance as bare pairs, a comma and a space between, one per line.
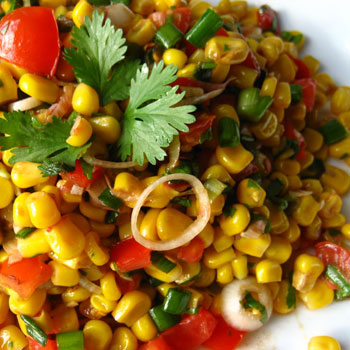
224, 337
267, 19
34, 345
130, 255
303, 71
78, 177
191, 332
309, 92
156, 344
24, 276
291, 133
193, 251
190, 49
196, 130
182, 18
158, 18
184, 82
252, 62
29, 39
221, 32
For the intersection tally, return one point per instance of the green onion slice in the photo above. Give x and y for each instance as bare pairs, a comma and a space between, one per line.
229, 135
70, 340
176, 301
249, 302
163, 320
34, 330
336, 277
333, 132
25, 232
214, 188
296, 93
168, 35
109, 200
161, 262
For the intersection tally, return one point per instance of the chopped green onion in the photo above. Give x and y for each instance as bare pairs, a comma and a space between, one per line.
161, 262
176, 301
34, 330
111, 217
333, 132
337, 278
286, 36
203, 70
163, 320
229, 211
334, 232
109, 200
205, 28
70, 340
291, 299
297, 39
296, 93
251, 105
214, 187
253, 184
228, 132
206, 136
185, 202
250, 302
315, 170
168, 35
25, 232
153, 282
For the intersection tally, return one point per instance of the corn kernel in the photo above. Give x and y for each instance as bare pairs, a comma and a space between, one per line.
34, 244
268, 271
253, 246
30, 306
336, 178
224, 274
144, 328
64, 319
174, 56
123, 339
279, 250
80, 133
323, 343
319, 296
236, 223
80, 11
85, 100
27, 174
11, 338
269, 86
280, 302
340, 101
97, 335
63, 275
306, 211
8, 89
141, 32
107, 128
7, 192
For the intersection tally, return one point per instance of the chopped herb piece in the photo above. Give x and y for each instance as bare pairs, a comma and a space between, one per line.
214, 188
34, 330
228, 130
154, 282
229, 212
70, 340
109, 199
25, 232
168, 35
337, 278
253, 184
296, 93
249, 302
291, 300
176, 301
49, 168
111, 217
185, 202
87, 169
315, 170
161, 262
163, 320
334, 232
203, 70
206, 136
333, 132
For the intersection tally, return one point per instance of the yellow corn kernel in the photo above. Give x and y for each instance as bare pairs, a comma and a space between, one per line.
253, 246
107, 128
225, 110
109, 287
218, 172
213, 260
340, 149
197, 56
240, 267
39, 87
92, 212
312, 185
206, 278
64, 319
141, 32
27, 174
11, 338
332, 204
280, 302
103, 230
7, 192
319, 296
323, 343
266, 127
344, 118
80, 11
251, 193
75, 295
97, 335
174, 56
80, 221
164, 288
93, 273
334, 222
271, 48
190, 271
268, 271
222, 241
294, 182
237, 222
3, 256
282, 96
340, 101
284, 69
187, 71
30, 306
234, 159
197, 298
287, 166
312, 63
51, 190
85, 100
42, 210
52, 3
291, 48
102, 304
174, 3
307, 269
132, 306
8, 89
148, 228
314, 139
279, 250
63, 275
129, 186
169, 277
80, 133
4, 307
226, 50
224, 274
198, 7
244, 77
306, 211
250, 17
123, 339
6, 156
307, 161
345, 230
220, 73
336, 178
313, 231
70, 201
65, 239
171, 223
274, 289
269, 86
97, 254
142, 7
144, 328
278, 218
34, 244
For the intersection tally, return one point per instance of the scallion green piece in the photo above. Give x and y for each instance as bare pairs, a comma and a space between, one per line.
203, 70
161, 262
111, 217
333, 132
168, 35
205, 28
229, 135
214, 188
70, 340
315, 170
336, 277
163, 320
296, 93
34, 330
250, 302
153, 282
176, 301
185, 202
25, 232
109, 200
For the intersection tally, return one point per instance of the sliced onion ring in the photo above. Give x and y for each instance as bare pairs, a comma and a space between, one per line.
106, 164
191, 231
24, 105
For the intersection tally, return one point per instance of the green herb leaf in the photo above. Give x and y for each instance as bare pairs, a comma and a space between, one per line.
50, 168
291, 300
34, 330
249, 302
98, 48
25, 232
39, 143
87, 169
337, 278
185, 202
110, 200
161, 262
253, 184
150, 122
229, 211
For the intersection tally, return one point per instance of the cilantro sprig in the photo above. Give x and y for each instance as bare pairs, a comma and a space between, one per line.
99, 47
151, 119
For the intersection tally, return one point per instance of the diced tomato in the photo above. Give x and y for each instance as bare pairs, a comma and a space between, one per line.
267, 19
158, 18
333, 254
196, 130
182, 18
24, 276
224, 337
184, 82
221, 32
247, 171
64, 70
156, 344
191, 332
309, 92
128, 285
34, 345
29, 39
130, 255
252, 62
190, 49
78, 177
303, 71
292, 134
193, 251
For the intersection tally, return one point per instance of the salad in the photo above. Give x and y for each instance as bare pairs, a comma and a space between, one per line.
164, 182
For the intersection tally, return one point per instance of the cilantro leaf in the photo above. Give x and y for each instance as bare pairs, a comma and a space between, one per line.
291, 299
49, 168
150, 120
250, 302
98, 48
36, 142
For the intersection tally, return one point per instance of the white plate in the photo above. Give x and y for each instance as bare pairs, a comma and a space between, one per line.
326, 26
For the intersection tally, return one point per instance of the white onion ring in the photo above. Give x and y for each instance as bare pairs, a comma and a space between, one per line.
191, 231
174, 152
88, 285
232, 310
107, 164
24, 105
119, 14
10, 247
